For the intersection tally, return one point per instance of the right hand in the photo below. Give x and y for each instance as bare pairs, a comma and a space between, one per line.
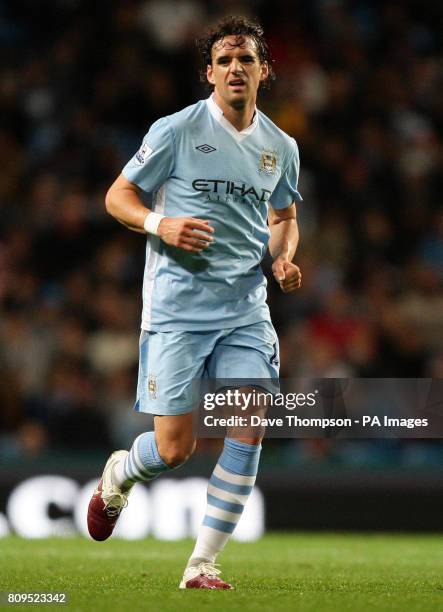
186, 233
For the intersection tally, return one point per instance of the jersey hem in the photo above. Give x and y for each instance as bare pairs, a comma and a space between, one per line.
241, 322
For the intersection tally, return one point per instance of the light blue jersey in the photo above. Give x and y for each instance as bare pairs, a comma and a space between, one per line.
196, 164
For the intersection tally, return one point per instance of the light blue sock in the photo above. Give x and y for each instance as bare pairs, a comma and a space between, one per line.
142, 463
229, 487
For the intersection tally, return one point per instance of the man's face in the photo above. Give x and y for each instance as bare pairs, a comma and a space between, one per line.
236, 70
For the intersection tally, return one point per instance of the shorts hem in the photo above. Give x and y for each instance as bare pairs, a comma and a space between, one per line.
161, 410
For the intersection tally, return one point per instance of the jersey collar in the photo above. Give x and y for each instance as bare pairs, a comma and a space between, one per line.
218, 115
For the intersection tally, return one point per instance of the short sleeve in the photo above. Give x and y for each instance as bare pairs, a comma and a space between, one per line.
153, 163
286, 190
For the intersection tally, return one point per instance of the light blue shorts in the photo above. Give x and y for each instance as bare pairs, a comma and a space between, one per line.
170, 362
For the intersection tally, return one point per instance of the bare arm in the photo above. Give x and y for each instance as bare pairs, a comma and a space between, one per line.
282, 246
284, 232
124, 204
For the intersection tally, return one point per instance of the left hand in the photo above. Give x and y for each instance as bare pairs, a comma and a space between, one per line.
287, 275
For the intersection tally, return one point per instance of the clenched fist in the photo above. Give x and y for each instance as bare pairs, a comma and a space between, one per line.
287, 275
186, 233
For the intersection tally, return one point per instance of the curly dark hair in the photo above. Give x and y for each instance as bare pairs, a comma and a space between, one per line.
235, 25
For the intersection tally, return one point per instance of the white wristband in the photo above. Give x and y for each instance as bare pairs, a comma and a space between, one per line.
152, 221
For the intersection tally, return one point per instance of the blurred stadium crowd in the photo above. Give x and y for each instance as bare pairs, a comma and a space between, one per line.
359, 85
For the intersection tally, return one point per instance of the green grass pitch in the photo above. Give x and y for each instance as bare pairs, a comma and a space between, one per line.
318, 572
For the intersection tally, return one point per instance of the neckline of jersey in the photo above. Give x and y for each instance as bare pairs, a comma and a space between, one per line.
218, 115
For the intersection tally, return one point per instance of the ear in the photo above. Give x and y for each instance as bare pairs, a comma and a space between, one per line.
210, 74
264, 71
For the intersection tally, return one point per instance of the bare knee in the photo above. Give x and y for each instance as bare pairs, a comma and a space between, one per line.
176, 452
175, 440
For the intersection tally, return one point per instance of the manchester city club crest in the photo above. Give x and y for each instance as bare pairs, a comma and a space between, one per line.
268, 162
152, 386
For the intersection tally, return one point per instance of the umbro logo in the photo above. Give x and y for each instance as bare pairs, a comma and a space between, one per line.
205, 148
